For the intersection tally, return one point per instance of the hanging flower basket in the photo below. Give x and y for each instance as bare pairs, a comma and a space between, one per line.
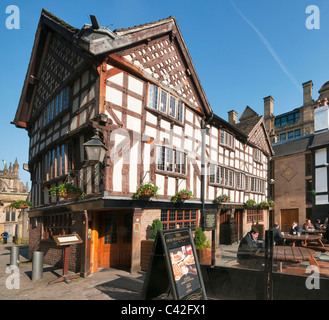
66, 190
223, 198
67, 195
146, 191
182, 195
21, 204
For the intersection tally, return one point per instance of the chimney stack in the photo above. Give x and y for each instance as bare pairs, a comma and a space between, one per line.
307, 92
268, 106
233, 117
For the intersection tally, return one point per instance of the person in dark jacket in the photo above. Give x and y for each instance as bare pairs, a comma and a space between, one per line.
295, 228
4, 236
277, 235
247, 247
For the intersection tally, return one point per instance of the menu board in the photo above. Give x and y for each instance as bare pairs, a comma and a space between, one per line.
210, 220
183, 274
183, 264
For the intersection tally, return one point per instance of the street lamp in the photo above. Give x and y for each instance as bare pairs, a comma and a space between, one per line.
95, 148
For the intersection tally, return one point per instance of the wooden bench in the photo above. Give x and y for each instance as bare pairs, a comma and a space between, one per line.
316, 247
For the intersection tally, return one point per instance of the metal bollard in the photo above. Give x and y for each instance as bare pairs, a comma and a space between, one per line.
14, 256
37, 265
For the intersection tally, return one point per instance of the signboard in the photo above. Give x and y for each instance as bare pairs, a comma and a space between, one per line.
67, 239
174, 267
210, 220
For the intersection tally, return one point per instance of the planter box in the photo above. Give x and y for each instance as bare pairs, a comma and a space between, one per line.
23, 206
204, 255
146, 251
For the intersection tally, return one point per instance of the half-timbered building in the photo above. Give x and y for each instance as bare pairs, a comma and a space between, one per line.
138, 87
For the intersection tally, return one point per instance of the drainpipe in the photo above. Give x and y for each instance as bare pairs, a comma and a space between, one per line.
204, 130
85, 263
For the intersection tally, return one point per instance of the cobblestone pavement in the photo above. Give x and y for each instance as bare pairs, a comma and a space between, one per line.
107, 284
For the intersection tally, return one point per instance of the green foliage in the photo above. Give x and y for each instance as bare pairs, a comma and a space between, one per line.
183, 193
313, 192
251, 204
200, 239
222, 198
68, 187
264, 204
156, 225
271, 203
146, 186
17, 204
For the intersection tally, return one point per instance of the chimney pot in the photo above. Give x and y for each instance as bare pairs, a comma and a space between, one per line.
307, 92
268, 106
233, 117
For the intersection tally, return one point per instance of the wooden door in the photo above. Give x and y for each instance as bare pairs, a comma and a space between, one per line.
287, 218
114, 243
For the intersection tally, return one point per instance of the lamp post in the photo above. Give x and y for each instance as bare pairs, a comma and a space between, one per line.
95, 148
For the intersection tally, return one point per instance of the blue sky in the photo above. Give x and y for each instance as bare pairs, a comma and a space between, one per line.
242, 50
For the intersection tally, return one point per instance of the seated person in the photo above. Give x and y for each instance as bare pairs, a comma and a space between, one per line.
247, 247
318, 224
277, 235
308, 225
295, 228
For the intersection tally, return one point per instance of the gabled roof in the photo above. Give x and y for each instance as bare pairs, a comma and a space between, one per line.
125, 31
248, 113
253, 126
249, 124
219, 122
48, 22
101, 42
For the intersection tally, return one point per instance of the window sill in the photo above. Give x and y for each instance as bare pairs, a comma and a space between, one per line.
211, 184
227, 147
164, 116
171, 174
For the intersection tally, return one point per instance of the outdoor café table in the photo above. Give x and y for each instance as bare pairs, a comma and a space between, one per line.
316, 231
303, 237
289, 254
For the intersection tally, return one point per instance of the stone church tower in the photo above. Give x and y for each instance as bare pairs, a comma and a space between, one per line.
14, 221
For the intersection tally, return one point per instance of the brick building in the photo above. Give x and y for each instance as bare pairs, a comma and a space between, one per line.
298, 168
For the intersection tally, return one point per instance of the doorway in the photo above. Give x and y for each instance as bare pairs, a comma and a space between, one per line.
287, 218
114, 241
